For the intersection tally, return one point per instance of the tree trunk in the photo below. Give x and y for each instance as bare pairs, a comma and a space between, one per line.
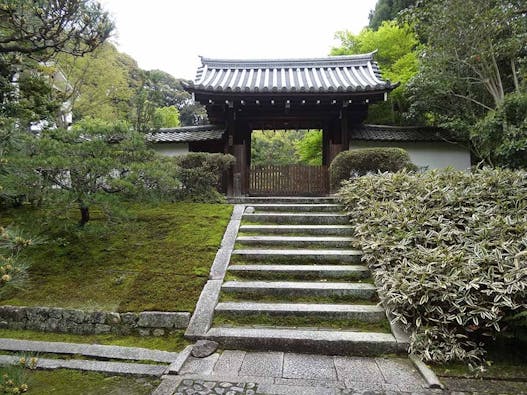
85, 216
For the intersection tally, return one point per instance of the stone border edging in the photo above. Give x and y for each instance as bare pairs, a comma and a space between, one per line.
89, 350
56, 319
124, 368
428, 374
201, 320
175, 366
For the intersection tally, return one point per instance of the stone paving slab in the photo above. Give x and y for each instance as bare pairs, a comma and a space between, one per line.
358, 290
356, 369
304, 229
300, 340
230, 362
332, 271
365, 313
94, 366
302, 366
299, 218
399, 371
262, 364
199, 365
89, 350
304, 255
297, 241
294, 207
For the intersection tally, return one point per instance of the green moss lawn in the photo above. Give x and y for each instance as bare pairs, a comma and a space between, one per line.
67, 382
154, 257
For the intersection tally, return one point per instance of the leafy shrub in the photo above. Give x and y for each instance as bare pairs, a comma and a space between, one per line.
13, 271
501, 137
448, 251
366, 160
201, 175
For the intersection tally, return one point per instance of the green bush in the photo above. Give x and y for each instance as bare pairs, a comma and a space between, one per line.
201, 175
362, 161
448, 251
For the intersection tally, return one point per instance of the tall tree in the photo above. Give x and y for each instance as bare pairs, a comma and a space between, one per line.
476, 54
387, 10
397, 57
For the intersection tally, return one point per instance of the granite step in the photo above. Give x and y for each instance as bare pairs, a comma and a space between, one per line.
282, 200
281, 207
302, 255
298, 218
322, 271
299, 229
363, 291
297, 241
329, 342
364, 313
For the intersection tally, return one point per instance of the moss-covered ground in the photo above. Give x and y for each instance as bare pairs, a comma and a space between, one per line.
155, 257
67, 382
173, 342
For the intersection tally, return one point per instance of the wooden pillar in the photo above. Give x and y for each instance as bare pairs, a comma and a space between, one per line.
230, 126
344, 129
335, 139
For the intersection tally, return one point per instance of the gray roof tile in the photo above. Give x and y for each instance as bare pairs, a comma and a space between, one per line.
353, 73
187, 134
401, 133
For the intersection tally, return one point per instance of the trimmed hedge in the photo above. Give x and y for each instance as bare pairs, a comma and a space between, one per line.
201, 175
367, 160
448, 251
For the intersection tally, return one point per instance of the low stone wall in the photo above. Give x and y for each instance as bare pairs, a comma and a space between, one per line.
52, 319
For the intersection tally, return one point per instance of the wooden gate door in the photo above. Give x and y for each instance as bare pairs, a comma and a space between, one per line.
289, 180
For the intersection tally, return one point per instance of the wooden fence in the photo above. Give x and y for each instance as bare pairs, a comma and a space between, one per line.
289, 180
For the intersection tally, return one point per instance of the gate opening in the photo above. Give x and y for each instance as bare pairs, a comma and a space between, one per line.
287, 163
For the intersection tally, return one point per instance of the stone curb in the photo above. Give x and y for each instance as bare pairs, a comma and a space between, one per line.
428, 374
168, 385
175, 367
89, 350
93, 366
201, 320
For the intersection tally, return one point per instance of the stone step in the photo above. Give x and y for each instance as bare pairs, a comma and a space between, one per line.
298, 218
299, 229
365, 313
277, 207
362, 291
302, 255
322, 271
297, 241
303, 340
282, 199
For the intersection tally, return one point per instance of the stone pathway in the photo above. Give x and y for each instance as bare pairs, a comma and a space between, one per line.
292, 259
241, 372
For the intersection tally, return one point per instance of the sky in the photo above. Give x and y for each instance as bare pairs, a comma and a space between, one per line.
170, 35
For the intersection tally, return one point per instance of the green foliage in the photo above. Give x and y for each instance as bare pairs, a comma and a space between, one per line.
386, 10
397, 58
201, 175
501, 137
474, 56
359, 162
88, 160
309, 148
283, 147
101, 84
447, 252
13, 271
166, 117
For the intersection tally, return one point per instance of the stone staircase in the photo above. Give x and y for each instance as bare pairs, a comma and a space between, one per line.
294, 282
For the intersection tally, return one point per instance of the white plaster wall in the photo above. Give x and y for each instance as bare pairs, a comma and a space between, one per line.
434, 155
171, 149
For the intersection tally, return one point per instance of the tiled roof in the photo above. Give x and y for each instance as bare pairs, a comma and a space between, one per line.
354, 73
187, 134
401, 133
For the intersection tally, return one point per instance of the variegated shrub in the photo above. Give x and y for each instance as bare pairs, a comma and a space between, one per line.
448, 251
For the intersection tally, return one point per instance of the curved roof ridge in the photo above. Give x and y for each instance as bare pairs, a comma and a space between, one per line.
277, 62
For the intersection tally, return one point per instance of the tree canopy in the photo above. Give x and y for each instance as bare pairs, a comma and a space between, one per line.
397, 48
386, 10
